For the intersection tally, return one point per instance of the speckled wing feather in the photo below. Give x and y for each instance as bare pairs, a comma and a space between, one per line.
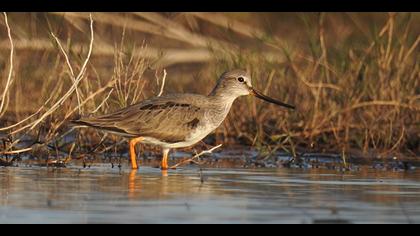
169, 118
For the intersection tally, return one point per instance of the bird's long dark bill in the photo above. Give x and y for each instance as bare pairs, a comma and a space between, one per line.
268, 99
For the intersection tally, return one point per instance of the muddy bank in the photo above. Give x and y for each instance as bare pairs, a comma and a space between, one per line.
249, 159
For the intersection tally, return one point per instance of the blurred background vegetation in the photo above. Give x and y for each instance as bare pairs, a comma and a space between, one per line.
354, 77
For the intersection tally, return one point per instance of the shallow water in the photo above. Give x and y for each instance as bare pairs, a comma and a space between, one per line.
108, 195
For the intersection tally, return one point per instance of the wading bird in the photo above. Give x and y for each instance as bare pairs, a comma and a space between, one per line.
177, 120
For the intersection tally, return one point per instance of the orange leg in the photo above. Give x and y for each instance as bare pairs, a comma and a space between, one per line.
165, 159
133, 155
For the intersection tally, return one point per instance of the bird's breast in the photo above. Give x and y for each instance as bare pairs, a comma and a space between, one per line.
211, 121
199, 128
200, 132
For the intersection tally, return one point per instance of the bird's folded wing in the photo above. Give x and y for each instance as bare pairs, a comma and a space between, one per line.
166, 120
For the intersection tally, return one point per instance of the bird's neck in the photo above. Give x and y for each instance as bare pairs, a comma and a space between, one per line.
223, 97
221, 105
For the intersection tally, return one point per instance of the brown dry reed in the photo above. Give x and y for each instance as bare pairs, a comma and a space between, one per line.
354, 78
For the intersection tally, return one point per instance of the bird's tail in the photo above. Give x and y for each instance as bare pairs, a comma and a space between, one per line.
100, 124
79, 122
82, 121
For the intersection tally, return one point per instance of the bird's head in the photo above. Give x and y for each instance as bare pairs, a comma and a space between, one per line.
238, 83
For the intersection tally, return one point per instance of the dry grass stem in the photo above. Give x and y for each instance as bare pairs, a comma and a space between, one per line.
9, 80
72, 75
163, 83
195, 157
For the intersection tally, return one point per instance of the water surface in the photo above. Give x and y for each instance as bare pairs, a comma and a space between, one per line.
101, 194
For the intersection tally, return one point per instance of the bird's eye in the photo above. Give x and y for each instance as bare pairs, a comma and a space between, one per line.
241, 79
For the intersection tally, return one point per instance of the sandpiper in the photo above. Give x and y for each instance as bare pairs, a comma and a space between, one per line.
177, 120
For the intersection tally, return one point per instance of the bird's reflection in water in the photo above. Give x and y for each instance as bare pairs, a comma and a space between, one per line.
135, 183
